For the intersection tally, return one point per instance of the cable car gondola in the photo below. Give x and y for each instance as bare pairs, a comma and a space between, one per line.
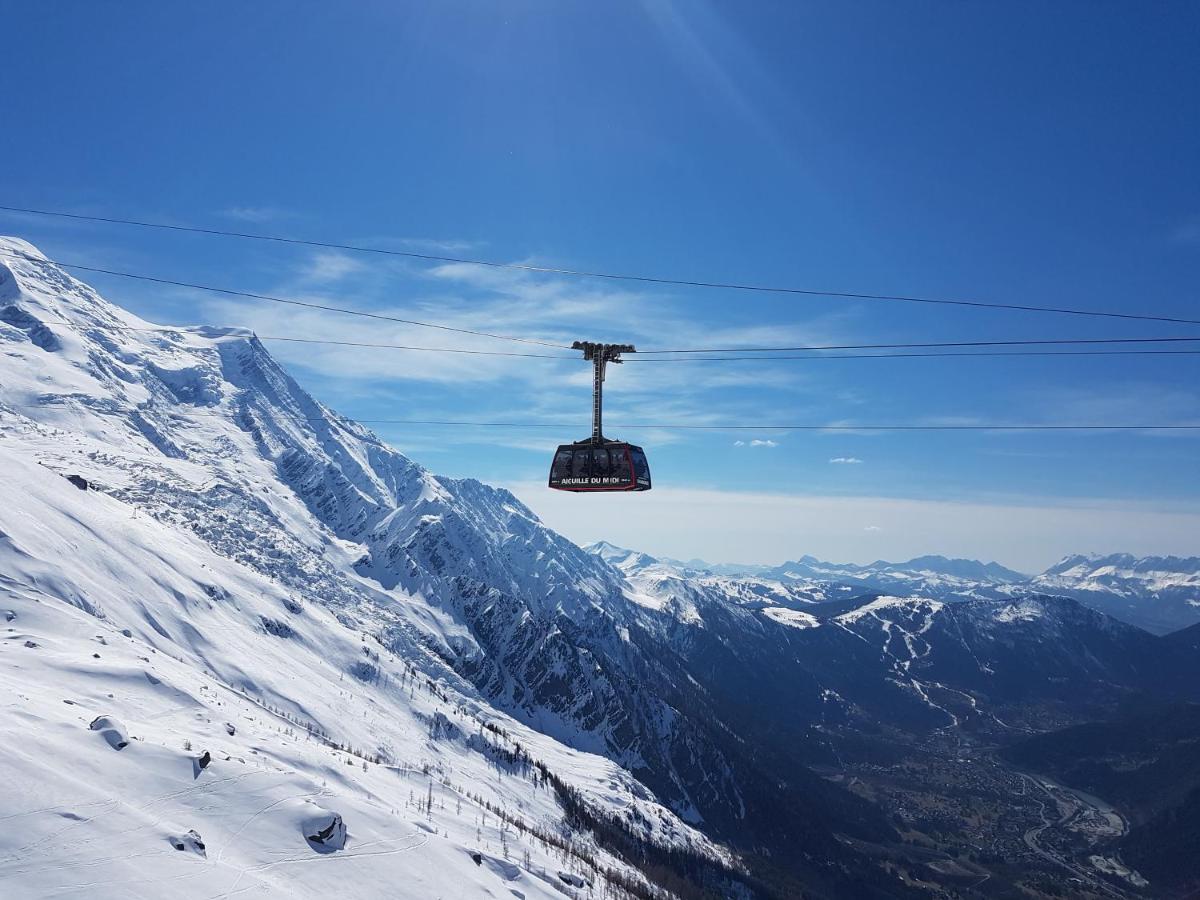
597, 463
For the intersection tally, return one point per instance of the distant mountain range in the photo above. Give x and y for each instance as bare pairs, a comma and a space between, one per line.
1158, 593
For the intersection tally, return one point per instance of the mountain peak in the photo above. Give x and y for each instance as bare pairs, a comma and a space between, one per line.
42, 289
621, 557
606, 549
963, 568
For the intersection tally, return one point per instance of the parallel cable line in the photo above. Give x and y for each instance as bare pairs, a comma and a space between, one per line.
183, 329
678, 426
972, 355
800, 427
255, 296
186, 329
611, 276
1154, 340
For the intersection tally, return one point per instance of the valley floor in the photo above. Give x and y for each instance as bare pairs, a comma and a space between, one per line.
986, 829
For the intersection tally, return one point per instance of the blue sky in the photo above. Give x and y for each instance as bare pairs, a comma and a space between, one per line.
1030, 153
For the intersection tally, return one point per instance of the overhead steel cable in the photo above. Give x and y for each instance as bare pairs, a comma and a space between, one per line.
268, 297
183, 329
299, 340
801, 427
914, 346
682, 426
186, 329
982, 354
611, 276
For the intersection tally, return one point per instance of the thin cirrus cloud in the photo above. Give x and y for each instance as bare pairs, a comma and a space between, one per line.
256, 214
448, 385
505, 302
846, 461
333, 266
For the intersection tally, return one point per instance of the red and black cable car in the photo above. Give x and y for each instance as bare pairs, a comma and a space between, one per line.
597, 463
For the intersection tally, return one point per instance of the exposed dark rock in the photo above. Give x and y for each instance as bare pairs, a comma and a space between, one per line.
325, 829
112, 731
189, 841
277, 628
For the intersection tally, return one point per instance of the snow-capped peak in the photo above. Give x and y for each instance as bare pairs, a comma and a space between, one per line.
186, 534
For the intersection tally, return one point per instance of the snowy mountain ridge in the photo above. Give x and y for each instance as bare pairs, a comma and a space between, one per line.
1158, 593
283, 558
1124, 573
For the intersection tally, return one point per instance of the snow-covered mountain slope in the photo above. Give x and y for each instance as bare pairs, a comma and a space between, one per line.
347, 554
925, 575
242, 554
200, 428
625, 560
681, 591
920, 664
110, 614
1158, 593
834, 652
933, 570
984, 657
933, 567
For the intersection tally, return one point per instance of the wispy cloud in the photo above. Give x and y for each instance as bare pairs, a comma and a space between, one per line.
442, 246
872, 528
846, 461
542, 308
332, 266
256, 214
521, 389
1131, 403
